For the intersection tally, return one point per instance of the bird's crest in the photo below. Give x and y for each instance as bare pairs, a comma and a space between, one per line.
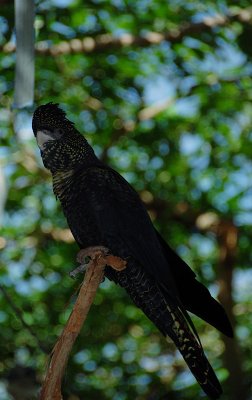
50, 115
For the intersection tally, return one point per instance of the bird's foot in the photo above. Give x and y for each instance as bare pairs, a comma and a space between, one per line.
85, 256
100, 255
92, 252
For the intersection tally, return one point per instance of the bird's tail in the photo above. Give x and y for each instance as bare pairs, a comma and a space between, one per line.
183, 333
173, 321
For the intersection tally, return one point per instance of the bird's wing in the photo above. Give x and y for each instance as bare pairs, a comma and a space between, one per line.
124, 222
127, 230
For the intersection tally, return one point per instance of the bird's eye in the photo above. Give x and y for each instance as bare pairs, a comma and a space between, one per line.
58, 133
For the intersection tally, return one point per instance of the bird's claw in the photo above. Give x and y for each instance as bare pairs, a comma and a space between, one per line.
80, 269
84, 257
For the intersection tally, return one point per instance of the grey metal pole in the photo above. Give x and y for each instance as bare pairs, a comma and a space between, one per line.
25, 38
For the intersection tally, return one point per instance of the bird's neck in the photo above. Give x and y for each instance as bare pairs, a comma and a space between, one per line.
71, 154
61, 183
65, 180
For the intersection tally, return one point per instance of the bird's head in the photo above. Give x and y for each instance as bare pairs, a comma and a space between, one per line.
62, 146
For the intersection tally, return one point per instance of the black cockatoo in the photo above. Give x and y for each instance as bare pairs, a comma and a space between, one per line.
101, 208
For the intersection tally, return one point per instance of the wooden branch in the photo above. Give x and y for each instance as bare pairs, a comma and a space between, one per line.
108, 42
51, 388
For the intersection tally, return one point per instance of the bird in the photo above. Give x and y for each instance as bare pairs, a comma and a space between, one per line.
103, 209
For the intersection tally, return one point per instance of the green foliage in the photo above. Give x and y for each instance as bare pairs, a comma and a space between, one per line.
189, 157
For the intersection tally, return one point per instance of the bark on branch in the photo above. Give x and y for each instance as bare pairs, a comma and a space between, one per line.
108, 42
51, 388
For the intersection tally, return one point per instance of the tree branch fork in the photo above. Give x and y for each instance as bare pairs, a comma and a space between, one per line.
93, 260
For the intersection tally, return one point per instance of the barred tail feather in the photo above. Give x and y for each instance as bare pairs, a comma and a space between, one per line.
191, 349
172, 320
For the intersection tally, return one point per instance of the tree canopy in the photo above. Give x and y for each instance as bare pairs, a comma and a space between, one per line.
162, 90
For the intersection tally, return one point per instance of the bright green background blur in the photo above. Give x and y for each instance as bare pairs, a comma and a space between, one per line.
175, 120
